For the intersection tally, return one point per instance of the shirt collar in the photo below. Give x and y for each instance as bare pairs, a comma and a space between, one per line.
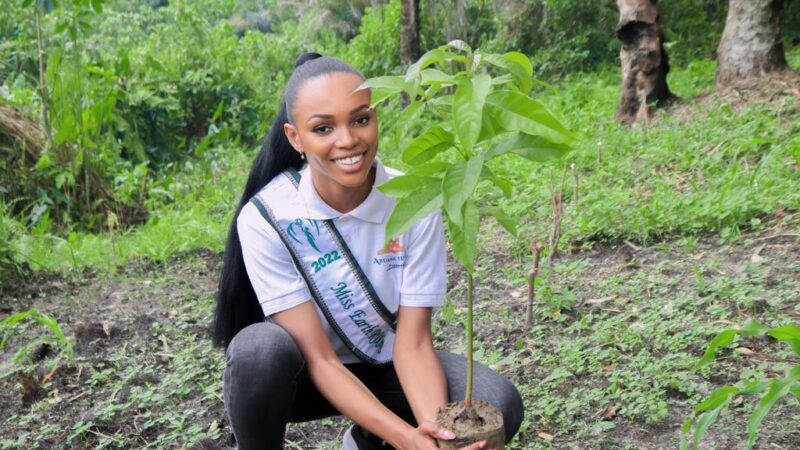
375, 208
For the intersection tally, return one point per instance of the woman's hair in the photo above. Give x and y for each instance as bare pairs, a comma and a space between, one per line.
237, 305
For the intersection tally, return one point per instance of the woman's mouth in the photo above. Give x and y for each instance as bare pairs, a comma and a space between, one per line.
350, 160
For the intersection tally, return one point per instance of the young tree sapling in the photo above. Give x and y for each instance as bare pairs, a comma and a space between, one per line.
483, 110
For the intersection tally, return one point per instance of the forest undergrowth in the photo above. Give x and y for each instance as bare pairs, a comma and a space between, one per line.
680, 228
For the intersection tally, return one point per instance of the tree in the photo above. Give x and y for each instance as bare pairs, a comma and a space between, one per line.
409, 32
484, 110
644, 62
751, 44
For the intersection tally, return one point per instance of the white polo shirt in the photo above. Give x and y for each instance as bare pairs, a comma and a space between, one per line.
410, 271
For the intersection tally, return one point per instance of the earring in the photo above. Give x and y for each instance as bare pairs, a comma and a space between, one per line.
302, 155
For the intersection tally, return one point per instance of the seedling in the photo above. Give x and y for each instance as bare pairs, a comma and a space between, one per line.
483, 110
536, 253
719, 400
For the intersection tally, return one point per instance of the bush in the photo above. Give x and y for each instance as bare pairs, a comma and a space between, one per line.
379, 34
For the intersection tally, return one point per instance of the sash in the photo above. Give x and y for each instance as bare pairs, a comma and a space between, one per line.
336, 281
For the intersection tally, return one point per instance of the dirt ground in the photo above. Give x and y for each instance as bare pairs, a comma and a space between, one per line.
144, 374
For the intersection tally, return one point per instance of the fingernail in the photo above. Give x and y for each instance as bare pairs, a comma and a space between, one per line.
449, 434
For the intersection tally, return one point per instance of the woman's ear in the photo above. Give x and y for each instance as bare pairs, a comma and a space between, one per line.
291, 134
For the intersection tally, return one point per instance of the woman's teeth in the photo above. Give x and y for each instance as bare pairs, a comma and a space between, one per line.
349, 161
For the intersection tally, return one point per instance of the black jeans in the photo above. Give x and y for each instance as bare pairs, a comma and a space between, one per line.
266, 386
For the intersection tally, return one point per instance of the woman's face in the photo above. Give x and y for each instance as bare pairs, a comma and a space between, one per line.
338, 133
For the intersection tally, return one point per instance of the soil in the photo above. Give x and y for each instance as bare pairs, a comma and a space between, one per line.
145, 375
486, 424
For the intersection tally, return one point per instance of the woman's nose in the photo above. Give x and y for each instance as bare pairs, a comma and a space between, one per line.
346, 138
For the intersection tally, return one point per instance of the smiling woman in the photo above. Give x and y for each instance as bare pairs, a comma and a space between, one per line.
318, 314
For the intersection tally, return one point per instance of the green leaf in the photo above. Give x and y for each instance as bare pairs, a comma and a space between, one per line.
795, 344
755, 387
518, 112
412, 79
795, 391
44, 162
458, 44
458, 185
502, 218
718, 397
706, 420
413, 207
753, 328
410, 112
521, 60
687, 425
721, 340
427, 145
534, 148
785, 332
506, 186
433, 168
404, 185
434, 76
468, 108
391, 83
779, 389
519, 67
465, 238
97, 5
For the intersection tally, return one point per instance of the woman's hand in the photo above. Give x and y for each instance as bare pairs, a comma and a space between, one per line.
425, 436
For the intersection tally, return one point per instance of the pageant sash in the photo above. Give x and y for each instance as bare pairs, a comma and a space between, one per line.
336, 281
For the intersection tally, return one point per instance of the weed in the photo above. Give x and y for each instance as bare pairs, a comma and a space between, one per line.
59, 340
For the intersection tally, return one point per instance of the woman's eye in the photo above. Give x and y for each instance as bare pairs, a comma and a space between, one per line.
322, 129
363, 120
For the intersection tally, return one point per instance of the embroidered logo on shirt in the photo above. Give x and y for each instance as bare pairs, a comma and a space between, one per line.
307, 228
391, 247
391, 255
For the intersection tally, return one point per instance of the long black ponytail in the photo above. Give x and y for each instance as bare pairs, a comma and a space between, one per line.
237, 304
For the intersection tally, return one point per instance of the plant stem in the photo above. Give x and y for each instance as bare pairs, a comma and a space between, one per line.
468, 395
42, 86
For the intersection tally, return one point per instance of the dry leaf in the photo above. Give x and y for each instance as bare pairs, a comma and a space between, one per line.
163, 340
211, 429
546, 436
610, 412
744, 351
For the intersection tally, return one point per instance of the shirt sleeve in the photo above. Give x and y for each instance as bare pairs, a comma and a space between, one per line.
276, 281
424, 277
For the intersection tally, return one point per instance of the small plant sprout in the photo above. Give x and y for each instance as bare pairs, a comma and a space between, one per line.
557, 200
483, 109
536, 253
720, 398
58, 339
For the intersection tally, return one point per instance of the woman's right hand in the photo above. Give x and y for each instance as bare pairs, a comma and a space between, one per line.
425, 435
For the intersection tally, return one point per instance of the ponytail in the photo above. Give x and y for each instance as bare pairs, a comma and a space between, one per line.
237, 304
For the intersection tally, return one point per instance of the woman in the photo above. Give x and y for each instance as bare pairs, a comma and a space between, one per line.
348, 317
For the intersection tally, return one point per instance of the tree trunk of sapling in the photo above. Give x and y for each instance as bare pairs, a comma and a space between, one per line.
471, 420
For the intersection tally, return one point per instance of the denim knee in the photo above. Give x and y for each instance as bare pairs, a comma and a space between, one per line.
262, 364
261, 348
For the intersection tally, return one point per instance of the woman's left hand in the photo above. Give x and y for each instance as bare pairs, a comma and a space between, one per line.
427, 432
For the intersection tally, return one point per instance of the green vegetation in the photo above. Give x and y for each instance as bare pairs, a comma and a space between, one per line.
680, 229
722, 397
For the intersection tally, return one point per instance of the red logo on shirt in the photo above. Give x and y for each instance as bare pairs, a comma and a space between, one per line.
393, 246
